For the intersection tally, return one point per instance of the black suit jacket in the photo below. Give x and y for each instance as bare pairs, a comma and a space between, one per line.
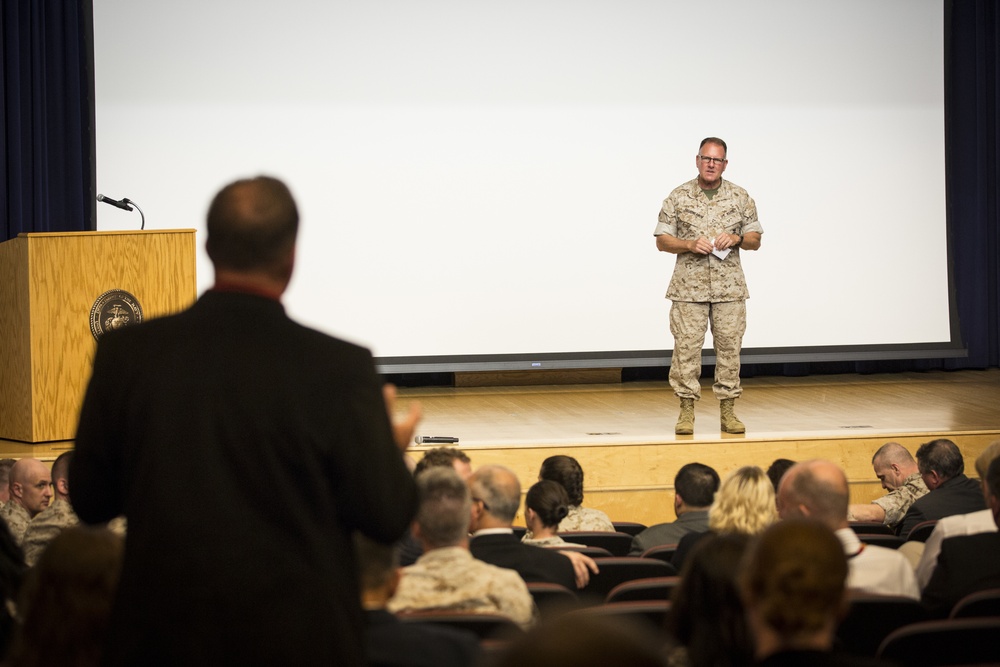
959, 495
534, 564
392, 643
966, 564
244, 449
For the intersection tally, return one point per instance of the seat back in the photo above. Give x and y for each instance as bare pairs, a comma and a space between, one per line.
617, 543
871, 618
975, 605
633, 528
889, 541
921, 531
552, 599
614, 571
871, 528
648, 615
485, 626
664, 552
962, 641
651, 588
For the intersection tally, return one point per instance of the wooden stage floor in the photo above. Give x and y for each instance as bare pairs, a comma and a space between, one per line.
623, 433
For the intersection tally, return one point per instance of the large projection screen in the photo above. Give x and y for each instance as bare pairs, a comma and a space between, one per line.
479, 181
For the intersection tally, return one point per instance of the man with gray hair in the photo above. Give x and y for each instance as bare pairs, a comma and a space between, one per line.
496, 497
818, 490
897, 471
951, 492
447, 576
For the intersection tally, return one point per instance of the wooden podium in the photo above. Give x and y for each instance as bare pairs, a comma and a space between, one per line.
51, 285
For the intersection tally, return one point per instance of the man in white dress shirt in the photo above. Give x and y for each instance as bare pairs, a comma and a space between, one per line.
818, 489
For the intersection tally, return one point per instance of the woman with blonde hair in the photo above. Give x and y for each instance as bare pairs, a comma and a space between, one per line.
744, 504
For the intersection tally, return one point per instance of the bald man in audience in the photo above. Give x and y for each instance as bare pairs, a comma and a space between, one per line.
496, 497
818, 490
54, 518
30, 493
897, 471
447, 577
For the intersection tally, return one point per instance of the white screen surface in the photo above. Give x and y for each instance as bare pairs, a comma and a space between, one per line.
482, 178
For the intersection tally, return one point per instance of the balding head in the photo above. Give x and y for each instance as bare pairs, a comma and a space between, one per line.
816, 489
31, 485
893, 463
496, 497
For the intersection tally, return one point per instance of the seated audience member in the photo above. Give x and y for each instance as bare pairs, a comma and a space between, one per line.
567, 471
496, 497
959, 524
793, 588
66, 600
390, 642
448, 457
950, 491
30, 493
545, 505
571, 640
967, 563
818, 490
706, 618
777, 469
744, 504
54, 518
897, 471
695, 485
447, 576
12, 571
5, 466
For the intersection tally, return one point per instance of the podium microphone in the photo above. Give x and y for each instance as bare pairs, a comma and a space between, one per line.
125, 204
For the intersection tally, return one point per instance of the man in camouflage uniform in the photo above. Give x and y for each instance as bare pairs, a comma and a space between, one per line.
895, 468
706, 222
30, 493
58, 515
446, 576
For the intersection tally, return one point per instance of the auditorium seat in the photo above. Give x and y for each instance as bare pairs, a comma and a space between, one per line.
617, 543
633, 528
614, 571
494, 627
871, 527
974, 605
664, 552
889, 541
650, 615
552, 599
964, 641
921, 531
871, 618
651, 588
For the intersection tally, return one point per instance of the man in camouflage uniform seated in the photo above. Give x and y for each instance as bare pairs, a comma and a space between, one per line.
447, 577
58, 515
706, 222
897, 470
30, 493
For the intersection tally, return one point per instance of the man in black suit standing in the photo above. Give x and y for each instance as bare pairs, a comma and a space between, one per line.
496, 497
941, 465
243, 449
967, 563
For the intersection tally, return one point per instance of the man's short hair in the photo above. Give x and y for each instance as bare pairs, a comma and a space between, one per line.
499, 488
986, 457
941, 456
714, 140
892, 452
440, 456
696, 483
5, 466
60, 467
993, 478
777, 470
826, 502
252, 224
445, 507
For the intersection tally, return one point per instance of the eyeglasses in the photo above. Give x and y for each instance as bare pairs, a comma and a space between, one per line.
480, 500
712, 160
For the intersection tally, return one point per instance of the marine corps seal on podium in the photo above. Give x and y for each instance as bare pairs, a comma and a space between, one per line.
114, 309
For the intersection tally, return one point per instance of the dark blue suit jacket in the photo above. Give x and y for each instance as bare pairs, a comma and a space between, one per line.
534, 564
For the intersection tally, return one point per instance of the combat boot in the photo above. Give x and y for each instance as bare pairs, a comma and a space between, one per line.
685, 422
730, 422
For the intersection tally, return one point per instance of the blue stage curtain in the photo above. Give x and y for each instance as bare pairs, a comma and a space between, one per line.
45, 84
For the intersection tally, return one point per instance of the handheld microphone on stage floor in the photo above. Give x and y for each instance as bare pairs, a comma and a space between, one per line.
435, 440
125, 204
